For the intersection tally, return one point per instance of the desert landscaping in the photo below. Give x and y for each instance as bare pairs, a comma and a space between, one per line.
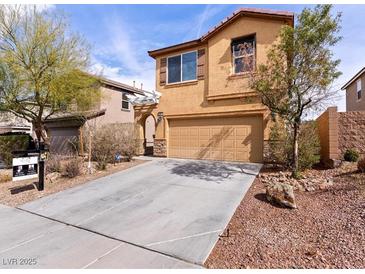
326, 230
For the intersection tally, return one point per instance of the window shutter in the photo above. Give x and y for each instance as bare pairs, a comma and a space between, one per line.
163, 71
201, 64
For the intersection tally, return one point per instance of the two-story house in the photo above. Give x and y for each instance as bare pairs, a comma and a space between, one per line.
64, 128
355, 92
207, 109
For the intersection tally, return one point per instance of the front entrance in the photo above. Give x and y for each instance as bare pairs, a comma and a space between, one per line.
149, 131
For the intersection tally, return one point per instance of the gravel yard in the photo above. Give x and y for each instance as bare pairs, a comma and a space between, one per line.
326, 231
17, 193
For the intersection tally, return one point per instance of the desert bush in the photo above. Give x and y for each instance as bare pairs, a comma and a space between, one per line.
309, 145
280, 145
72, 167
5, 177
9, 143
361, 165
351, 155
111, 140
53, 164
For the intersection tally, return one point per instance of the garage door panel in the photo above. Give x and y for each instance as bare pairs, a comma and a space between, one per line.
230, 139
228, 144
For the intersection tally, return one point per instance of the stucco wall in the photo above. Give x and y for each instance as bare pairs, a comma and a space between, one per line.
221, 78
194, 99
112, 102
352, 103
328, 134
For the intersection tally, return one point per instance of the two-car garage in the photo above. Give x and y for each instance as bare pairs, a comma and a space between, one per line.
227, 139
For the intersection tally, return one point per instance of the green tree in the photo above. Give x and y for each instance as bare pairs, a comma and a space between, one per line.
42, 66
300, 69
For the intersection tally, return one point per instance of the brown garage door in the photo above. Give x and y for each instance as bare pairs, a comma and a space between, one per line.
229, 139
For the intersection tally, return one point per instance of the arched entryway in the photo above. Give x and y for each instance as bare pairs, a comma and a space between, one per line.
149, 134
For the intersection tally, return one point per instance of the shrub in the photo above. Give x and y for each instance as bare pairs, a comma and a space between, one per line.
351, 155
5, 177
53, 164
72, 167
280, 145
361, 165
309, 145
9, 143
110, 140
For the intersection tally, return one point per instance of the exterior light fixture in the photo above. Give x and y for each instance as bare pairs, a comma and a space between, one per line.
159, 117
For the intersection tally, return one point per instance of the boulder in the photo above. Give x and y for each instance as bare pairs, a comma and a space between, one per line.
281, 193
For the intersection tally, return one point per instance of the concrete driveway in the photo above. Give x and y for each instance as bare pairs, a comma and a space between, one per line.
166, 213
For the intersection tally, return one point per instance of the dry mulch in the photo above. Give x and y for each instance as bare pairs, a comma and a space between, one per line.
326, 231
17, 193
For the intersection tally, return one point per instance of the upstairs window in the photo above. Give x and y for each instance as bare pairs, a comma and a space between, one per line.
243, 52
125, 102
358, 89
181, 68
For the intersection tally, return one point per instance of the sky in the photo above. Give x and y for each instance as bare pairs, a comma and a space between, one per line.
121, 35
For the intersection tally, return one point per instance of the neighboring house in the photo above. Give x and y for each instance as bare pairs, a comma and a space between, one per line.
11, 123
206, 109
64, 129
355, 92
341, 131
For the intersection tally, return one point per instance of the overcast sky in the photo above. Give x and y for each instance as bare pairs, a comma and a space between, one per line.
121, 35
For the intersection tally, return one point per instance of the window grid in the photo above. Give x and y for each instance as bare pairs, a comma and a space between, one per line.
125, 102
245, 53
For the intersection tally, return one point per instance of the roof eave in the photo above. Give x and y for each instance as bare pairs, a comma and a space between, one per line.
121, 86
353, 79
181, 46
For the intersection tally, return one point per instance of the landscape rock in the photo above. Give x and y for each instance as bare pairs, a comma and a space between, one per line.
282, 194
52, 177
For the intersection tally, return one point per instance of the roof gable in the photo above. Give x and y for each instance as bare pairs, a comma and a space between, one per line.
251, 12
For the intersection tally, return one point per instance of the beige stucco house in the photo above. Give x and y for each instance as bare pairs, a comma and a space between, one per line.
64, 129
355, 100
206, 109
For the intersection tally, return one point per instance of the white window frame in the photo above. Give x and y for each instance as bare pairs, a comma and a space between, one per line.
359, 89
123, 101
181, 71
242, 56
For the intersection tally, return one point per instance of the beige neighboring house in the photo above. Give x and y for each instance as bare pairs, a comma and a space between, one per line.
340, 131
355, 94
206, 109
64, 128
